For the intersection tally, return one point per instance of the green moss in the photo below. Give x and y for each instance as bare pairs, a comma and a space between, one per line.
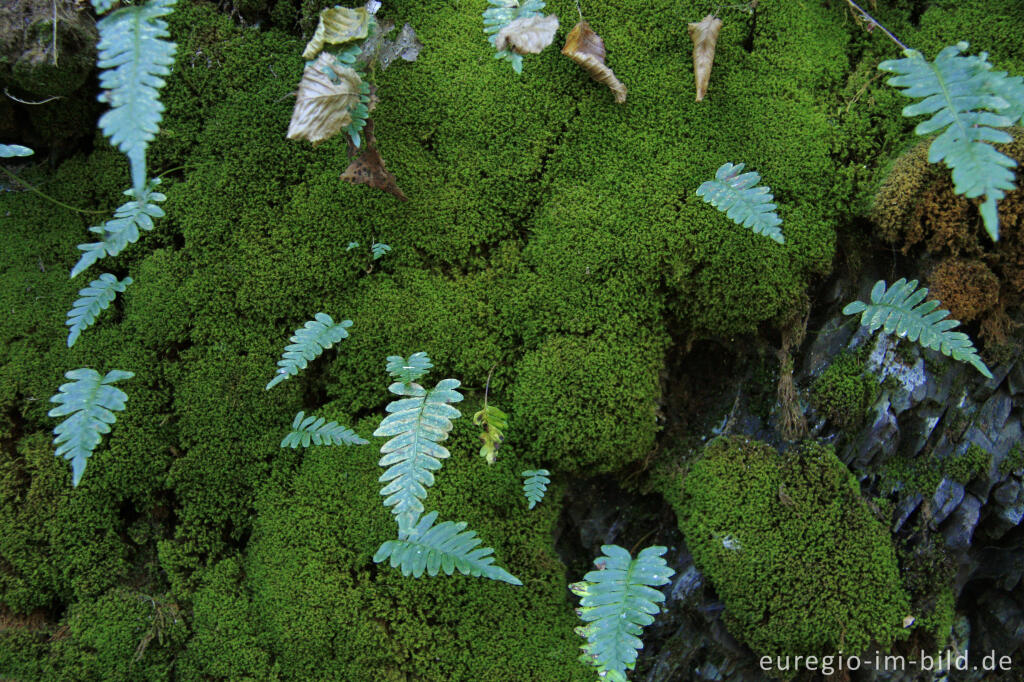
845, 391
792, 549
923, 474
1013, 461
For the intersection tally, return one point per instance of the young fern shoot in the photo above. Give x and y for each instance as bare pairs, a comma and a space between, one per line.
535, 485
900, 310
736, 196
308, 342
313, 430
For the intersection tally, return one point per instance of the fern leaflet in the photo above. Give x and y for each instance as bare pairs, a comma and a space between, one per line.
446, 546
91, 401
8, 151
134, 57
416, 425
92, 300
408, 371
616, 602
500, 14
535, 485
378, 249
900, 309
741, 201
309, 341
495, 422
318, 431
968, 103
123, 229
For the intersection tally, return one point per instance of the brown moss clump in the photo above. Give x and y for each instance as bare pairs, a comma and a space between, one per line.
967, 287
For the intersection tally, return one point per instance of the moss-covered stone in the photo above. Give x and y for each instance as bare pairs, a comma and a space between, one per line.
845, 391
788, 543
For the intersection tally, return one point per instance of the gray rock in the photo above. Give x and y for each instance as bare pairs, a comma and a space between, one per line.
919, 426
948, 497
960, 527
993, 414
831, 339
880, 438
1015, 379
1007, 493
906, 507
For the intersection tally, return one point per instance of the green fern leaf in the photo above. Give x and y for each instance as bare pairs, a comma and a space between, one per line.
378, 249
89, 402
92, 300
309, 342
446, 546
123, 229
134, 57
500, 14
312, 430
900, 310
408, 371
967, 104
616, 602
535, 485
8, 151
416, 425
495, 422
741, 201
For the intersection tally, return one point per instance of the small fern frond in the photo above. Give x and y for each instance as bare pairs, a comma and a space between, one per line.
313, 430
446, 546
89, 402
134, 57
408, 371
379, 250
416, 425
535, 485
616, 602
8, 151
968, 104
309, 341
123, 229
902, 310
500, 14
736, 196
494, 422
92, 300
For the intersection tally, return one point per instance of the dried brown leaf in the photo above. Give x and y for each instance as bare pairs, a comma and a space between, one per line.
704, 36
586, 48
369, 168
323, 107
527, 35
337, 25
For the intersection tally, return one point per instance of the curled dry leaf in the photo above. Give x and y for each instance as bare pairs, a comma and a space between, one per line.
337, 25
586, 48
376, 47
327, 93
369, 168
527, 35
704, 36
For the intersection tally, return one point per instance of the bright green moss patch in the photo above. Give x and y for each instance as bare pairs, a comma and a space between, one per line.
923, 473
845, 391
788, 543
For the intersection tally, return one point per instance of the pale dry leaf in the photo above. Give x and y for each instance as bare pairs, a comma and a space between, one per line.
337, 25
527, 35
405, 46
369, 168
323, 107
586, 48
704, 36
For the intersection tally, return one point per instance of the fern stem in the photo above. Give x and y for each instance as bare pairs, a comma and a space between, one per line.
872, 23
47, 196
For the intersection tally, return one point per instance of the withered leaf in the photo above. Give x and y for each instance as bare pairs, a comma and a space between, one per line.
586, 48
327, 93
704, 36
405, 46
337, 25
369, 168
527, 35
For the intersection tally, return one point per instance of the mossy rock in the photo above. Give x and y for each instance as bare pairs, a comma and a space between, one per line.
792, 549
845, 391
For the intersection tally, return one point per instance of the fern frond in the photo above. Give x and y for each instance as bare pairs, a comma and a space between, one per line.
744, 204
416, 425
8, 151
446, 546
91, 401
967, 104
123, 229
134, 57
900, 310
408, 371
616, 602
535, 485
500, 14
309, 341
379, 250
92, 300
318, 431
102, 6
494, 422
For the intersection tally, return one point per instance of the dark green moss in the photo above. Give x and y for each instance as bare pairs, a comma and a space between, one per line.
924, 473
845, 391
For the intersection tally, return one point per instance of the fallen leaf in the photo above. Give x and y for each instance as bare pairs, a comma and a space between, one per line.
337, 25
527, 35
405, 46
369, 168
704, 36
327, 93
586, 48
